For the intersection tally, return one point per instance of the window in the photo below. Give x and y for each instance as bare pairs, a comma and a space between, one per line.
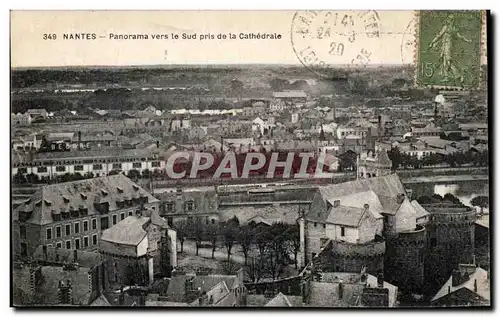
49, 233
41, 169
189, 206
213, 221
77, 243
58, 231
22, 170
324, 226
130, 213
117, 166
137, 165
60, 168
68, 229
68, 244
104, 223
155, 164
85, 242
342, 231
78, 167
24, 249
94, 224
22, 232
170, 221
122, 216
97, 167
315, 224
59, 245
169, 206
77, 227
94, 239
114, 219
85, 225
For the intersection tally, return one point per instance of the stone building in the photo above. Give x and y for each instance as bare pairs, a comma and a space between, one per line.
137, 249
450, 239
72, 215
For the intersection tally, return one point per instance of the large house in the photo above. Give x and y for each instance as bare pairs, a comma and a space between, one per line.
73, 215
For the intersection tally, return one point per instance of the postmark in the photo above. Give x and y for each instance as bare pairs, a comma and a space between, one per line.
449, 49
323, 40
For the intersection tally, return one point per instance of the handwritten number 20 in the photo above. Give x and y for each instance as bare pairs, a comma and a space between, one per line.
336, 49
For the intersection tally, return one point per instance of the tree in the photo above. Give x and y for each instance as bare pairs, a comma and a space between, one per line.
32, 178
395, 156
213, 234
255, 269
276, 249
134, 174
481, 202
229, 235
197, 233
146, 173
245, 238
182, 229
19, 178
451, 198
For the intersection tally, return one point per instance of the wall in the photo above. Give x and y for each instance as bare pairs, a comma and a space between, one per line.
369, 227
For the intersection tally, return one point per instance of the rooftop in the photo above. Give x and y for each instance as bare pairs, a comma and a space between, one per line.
129, 231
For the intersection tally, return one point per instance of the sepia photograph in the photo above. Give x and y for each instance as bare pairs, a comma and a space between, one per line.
250, 159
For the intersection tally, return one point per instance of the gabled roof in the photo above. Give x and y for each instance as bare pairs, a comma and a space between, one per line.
479, 277
58, 255
421, 212
129, 231
176, 289
282, 300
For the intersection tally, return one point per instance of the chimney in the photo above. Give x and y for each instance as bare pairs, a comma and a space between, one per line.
44, 248
449, 289
336, 203
400, 198
341, 290
157, 144
121, 297
380, 280
475, 286
75, 255
456, 278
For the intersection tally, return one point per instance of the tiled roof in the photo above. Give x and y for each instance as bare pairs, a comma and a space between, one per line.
204, 201
480, 277
282, 300
129, 231
327, 295
176, 289
101, 153
345, 216
421, 212
285, 213
389, 185
64, 196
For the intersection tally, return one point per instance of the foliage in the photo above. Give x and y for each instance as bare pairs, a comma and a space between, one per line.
230, 231
245, 239
182, 229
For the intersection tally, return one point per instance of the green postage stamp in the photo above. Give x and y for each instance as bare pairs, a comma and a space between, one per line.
450, 49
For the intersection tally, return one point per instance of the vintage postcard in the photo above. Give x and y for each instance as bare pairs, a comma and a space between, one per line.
294, 159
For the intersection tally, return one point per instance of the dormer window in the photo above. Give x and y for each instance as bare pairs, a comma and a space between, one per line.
119, 189
47, 202
65, 199
84, 197
104, 193
135, 187
27, 202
